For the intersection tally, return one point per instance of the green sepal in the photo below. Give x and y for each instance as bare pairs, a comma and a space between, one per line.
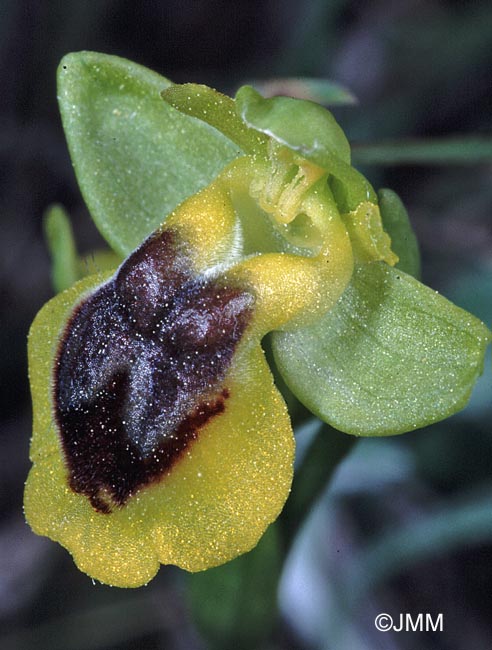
392, 356
215, 109
397, 224
300, 124
135, 157
235, 605
312, 131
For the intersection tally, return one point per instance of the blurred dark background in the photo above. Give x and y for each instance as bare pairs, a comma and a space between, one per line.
419, 68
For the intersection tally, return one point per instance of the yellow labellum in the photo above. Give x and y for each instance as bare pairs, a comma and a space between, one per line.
179, 325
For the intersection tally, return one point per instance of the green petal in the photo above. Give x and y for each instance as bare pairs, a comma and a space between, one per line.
300, 124
61, 244
135, 157
397, 224
66, 265
392, 356
215, 109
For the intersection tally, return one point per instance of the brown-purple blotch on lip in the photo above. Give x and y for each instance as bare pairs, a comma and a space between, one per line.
140, 370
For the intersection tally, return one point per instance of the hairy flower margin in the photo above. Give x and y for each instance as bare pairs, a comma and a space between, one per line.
159, 435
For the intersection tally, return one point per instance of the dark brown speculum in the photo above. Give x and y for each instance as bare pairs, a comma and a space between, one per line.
140, 370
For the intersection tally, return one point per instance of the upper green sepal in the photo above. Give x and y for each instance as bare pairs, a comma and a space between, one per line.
392, 356
135, 157
299, 124
311, 131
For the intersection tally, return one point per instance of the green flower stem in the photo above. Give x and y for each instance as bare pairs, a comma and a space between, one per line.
326, 451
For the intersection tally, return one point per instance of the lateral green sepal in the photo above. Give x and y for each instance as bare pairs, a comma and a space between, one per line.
135, 157
393, 355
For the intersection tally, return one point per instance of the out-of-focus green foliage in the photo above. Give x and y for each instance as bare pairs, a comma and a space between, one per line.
321, 91
235, 605
443, 151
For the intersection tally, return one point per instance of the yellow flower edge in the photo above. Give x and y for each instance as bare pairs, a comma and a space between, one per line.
215, 503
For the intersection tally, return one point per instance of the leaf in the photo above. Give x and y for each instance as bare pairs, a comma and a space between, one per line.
235, 605
323, 456
61, 244
302, 125
459, 150
135, 157
392, 356
215, 109
397, 224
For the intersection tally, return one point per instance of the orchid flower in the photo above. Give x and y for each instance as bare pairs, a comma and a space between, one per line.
159, 434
